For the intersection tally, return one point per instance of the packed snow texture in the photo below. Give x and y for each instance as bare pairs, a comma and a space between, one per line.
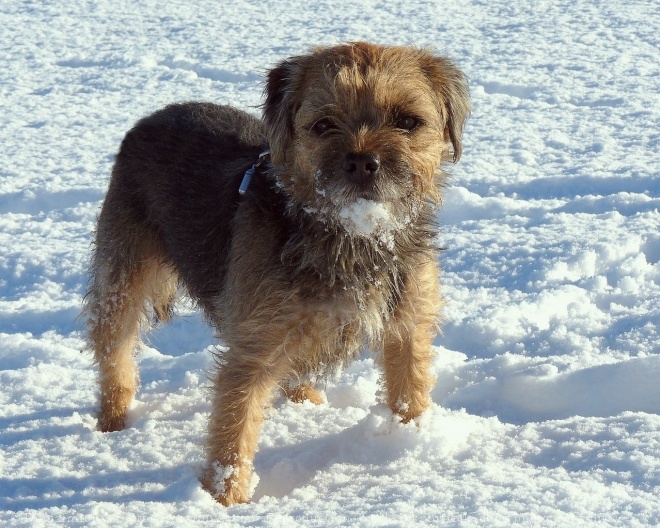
546, 410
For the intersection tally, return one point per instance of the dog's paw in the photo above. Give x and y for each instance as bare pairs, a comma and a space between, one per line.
228, 484
111, 422
304, 392
408, 411
115, 402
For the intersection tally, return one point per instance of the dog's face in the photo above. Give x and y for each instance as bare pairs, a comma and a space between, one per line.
364, 123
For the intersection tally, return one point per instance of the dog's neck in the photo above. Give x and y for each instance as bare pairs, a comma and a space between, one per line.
353, 246
349, 249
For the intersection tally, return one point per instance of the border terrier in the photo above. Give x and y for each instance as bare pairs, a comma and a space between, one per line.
330, 246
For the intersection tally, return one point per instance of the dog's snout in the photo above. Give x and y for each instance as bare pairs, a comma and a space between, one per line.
361, 168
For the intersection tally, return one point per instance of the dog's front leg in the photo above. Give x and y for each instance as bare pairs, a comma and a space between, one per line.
407, 344
241, 389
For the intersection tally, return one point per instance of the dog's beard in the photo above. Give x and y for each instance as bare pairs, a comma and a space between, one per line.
351, 238
363, 218
376, 212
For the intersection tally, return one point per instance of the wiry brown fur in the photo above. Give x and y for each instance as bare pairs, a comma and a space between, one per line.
294, 283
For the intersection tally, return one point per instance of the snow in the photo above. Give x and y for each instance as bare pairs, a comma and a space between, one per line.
547, 407
366, 218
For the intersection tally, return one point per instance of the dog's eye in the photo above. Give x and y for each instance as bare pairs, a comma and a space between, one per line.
322, 125
407, 123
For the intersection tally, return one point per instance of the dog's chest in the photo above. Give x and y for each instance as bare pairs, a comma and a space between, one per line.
330, 329
364, 308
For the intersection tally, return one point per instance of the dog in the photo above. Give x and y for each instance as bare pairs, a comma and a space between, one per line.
329, 247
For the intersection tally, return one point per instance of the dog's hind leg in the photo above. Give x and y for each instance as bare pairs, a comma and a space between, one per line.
163, 292
128, 273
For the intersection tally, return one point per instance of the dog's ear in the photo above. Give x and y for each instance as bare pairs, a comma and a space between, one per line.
450, 84
283, 85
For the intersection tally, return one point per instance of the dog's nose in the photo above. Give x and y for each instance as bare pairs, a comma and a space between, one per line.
361, 169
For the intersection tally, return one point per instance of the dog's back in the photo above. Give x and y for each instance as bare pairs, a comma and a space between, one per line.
196, 153
169, 207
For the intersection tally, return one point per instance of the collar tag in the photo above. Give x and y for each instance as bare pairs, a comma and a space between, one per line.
247, 177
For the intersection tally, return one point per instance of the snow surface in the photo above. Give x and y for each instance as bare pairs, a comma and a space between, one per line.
546, 411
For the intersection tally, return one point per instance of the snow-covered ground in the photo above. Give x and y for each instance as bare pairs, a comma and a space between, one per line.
547, 407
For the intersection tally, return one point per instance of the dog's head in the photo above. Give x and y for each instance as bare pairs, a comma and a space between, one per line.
364, 122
